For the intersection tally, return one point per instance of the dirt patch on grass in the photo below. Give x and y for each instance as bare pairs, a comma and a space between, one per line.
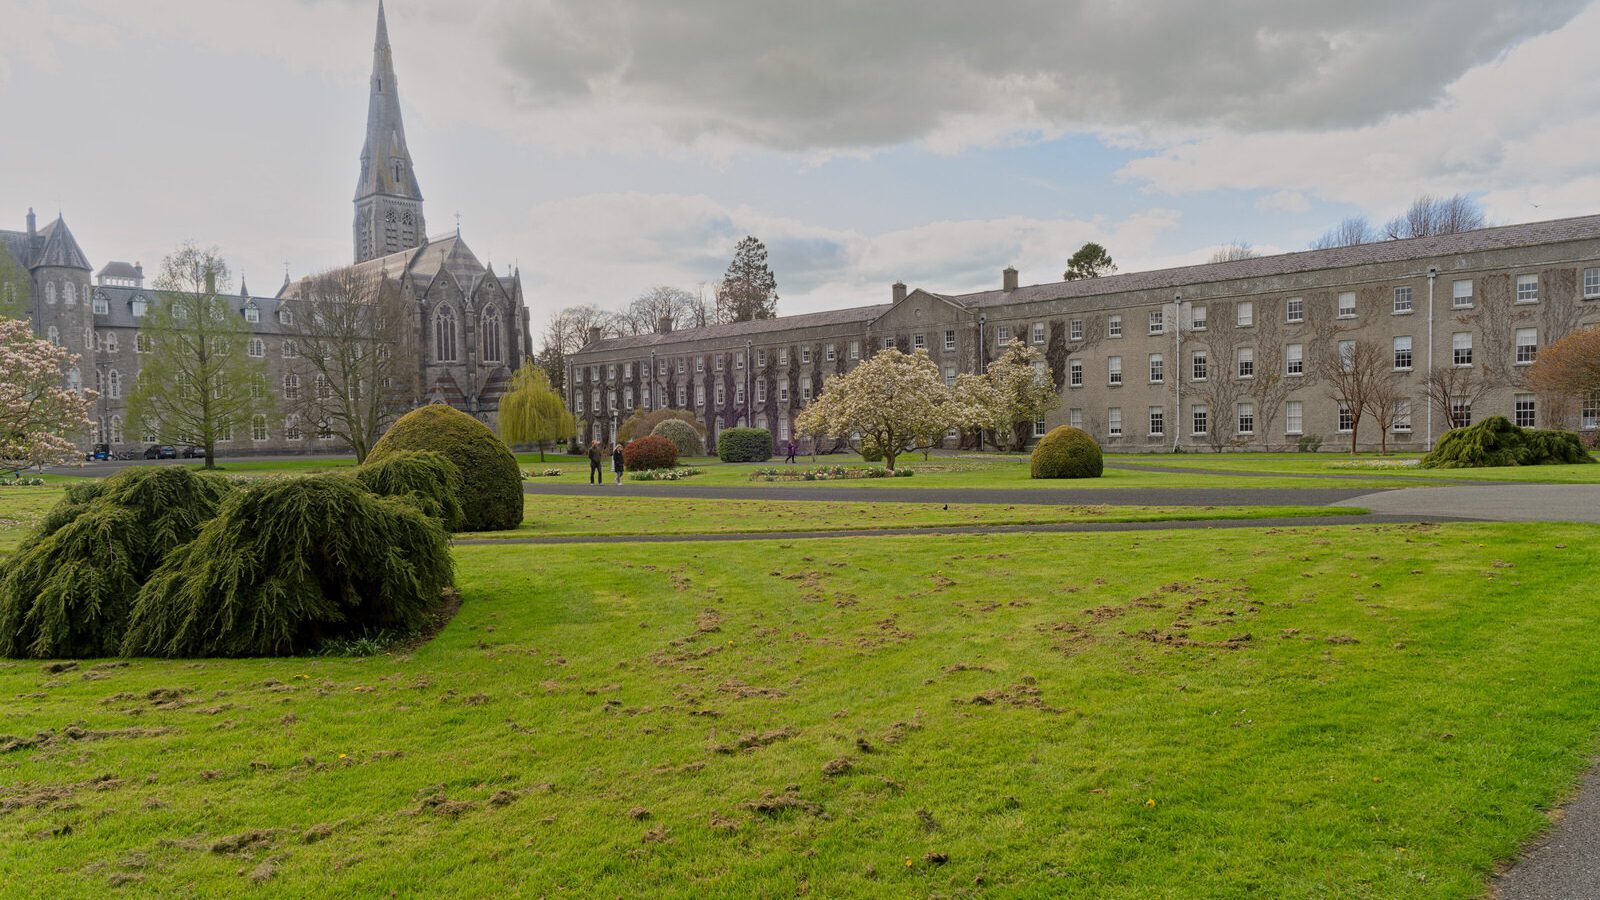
75, 734
1167, 638
756, 740
741, 690
1024, 695
437, 621
773, 804
244, 842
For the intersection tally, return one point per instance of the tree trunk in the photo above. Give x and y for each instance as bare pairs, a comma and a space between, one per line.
1355, 429
211, 455
888, 459
541, 450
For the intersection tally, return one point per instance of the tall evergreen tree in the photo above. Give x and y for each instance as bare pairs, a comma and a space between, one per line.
533, 411
198, 384
1091, 261
748, 290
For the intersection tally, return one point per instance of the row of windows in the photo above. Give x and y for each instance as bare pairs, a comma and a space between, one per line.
721, 395
1524, 406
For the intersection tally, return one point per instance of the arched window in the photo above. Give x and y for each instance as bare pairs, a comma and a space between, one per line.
291, 428
291, 386
111, 342
50, 292
491, 334
75, 379
444, 335
258, 348
53, 335
142, 343
69, 293
114, 384
116, 429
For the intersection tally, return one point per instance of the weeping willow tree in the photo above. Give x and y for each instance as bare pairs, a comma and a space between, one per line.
289, 563
429, 478
533, 411
69, 590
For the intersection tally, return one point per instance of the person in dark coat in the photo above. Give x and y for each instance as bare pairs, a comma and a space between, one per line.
616, 461
596, 476
792, 448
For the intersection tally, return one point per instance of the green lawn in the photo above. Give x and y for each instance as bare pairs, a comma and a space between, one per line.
1353, 712
1369, 465
554, 515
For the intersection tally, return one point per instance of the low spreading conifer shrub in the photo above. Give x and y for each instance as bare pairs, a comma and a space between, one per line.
429, 478
1497, 442
288, 564
491, 489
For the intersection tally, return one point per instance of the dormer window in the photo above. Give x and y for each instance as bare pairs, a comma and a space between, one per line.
252, 314
286, 316
101, 306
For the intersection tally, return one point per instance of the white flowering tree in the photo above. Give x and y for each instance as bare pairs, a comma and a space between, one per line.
39, 414
1019, 391
893, 403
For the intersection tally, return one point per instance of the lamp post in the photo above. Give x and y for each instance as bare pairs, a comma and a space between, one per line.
749, 386
652, 381
980, 364
1177, 370
1433, 273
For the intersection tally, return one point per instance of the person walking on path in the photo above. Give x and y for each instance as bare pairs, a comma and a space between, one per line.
616, 461
792, 448
596, 476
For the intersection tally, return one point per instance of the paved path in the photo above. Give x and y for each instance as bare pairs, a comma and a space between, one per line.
1566, 864
1495, 502
1397, 477
1020, 496
1280, 522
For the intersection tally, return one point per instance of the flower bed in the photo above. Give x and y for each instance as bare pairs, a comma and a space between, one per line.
827, 473
21, 482
1377, 464
542, 473
664, 474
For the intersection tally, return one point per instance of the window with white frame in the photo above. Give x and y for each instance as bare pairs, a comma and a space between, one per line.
828, 354
1347, 419
291, 386
258, 348
1075, 330
1347, 354
1158, 421
1115, 327
258, 428
1038, 332
805, 392
111, 342
738, 395
1294, 360
721, 363
1197, 365
1589, 414
1114, 421
1402, 417
699, 365
1157, 321
290, 349
1246, 358
681, 397
783, 356
101, 306
1157, 368
114, 384
1246, 415
888, 343
252, 315
855, 350
1460, 412
1527, 346
1461, 348
1294, 417
1591, 283
1402, 300
783, 392
1294, 310
680, 365
949, 376
1002, 334
1075, 373
50, 293
627, 398
139, 306
1525, 412
1461, 294
722, 395
1114, 370
761, 390
1038, 427
1347, 305
1402, 353
783, 429
761, 359
805, 356
1199, 419
577, 404
1245, 313
1527, 289
1197, 318
699, 395
919, 342
1075, 416
949, 340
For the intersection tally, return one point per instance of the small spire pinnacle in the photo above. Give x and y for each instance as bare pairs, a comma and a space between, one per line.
383, 28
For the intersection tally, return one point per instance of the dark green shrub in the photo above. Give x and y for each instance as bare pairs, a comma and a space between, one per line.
642, 423
1497, 442
431, 480
744, 445
491, 483
69, 588
1067, 452
689, 440
870, 451
649, 452
290, 563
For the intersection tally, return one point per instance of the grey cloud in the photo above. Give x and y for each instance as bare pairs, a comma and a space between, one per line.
842, 74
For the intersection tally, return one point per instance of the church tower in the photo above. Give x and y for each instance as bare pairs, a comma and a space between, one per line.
388, 200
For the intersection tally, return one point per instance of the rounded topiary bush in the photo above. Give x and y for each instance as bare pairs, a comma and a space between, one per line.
288, 564
1067, 452
1497, 442
642, 423
649, 452
684, 436
69, 589
491, 483
744, 445
430, 479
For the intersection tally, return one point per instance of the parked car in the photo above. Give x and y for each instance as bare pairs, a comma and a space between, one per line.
99, 451
161, 451
193, 453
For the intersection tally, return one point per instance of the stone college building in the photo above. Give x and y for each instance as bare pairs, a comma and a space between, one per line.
1223, 355
473, 321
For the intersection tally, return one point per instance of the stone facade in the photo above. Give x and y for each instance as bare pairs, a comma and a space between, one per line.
473, 321
1198, 357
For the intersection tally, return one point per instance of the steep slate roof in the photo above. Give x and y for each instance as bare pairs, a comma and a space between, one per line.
742, 329
118, 269
61, 248
447, 255
119, 303
16, 243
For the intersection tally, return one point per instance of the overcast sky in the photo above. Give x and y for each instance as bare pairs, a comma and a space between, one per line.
610, 145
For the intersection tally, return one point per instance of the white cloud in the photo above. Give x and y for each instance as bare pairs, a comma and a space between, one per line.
1284, 201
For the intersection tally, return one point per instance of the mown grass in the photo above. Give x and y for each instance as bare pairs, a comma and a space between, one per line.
558, 515
1352, 712
1364, 465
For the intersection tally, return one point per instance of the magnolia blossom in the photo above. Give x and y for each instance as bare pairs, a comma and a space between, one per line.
38, 414
892, 402
1021, 391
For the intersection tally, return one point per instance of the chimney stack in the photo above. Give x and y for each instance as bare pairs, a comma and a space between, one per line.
594, 334
33, 223
664, 326
1008, 279
899, 291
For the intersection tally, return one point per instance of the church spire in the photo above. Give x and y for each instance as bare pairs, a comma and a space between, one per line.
388, 200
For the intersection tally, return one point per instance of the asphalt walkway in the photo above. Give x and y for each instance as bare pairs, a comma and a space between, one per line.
1020, 496
1500, 502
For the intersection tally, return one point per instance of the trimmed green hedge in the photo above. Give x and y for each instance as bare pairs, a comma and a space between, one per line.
288, 564
642, 423
744, 445
689, 440
427, 477
491, 492
1497, 442
649, 452
1067, 452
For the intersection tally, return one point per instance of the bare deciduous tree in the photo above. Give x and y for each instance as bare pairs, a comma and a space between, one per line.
1429, 215
1234, 251
1352, 231
358, 341
1445, 386
645, 314
1356, 373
